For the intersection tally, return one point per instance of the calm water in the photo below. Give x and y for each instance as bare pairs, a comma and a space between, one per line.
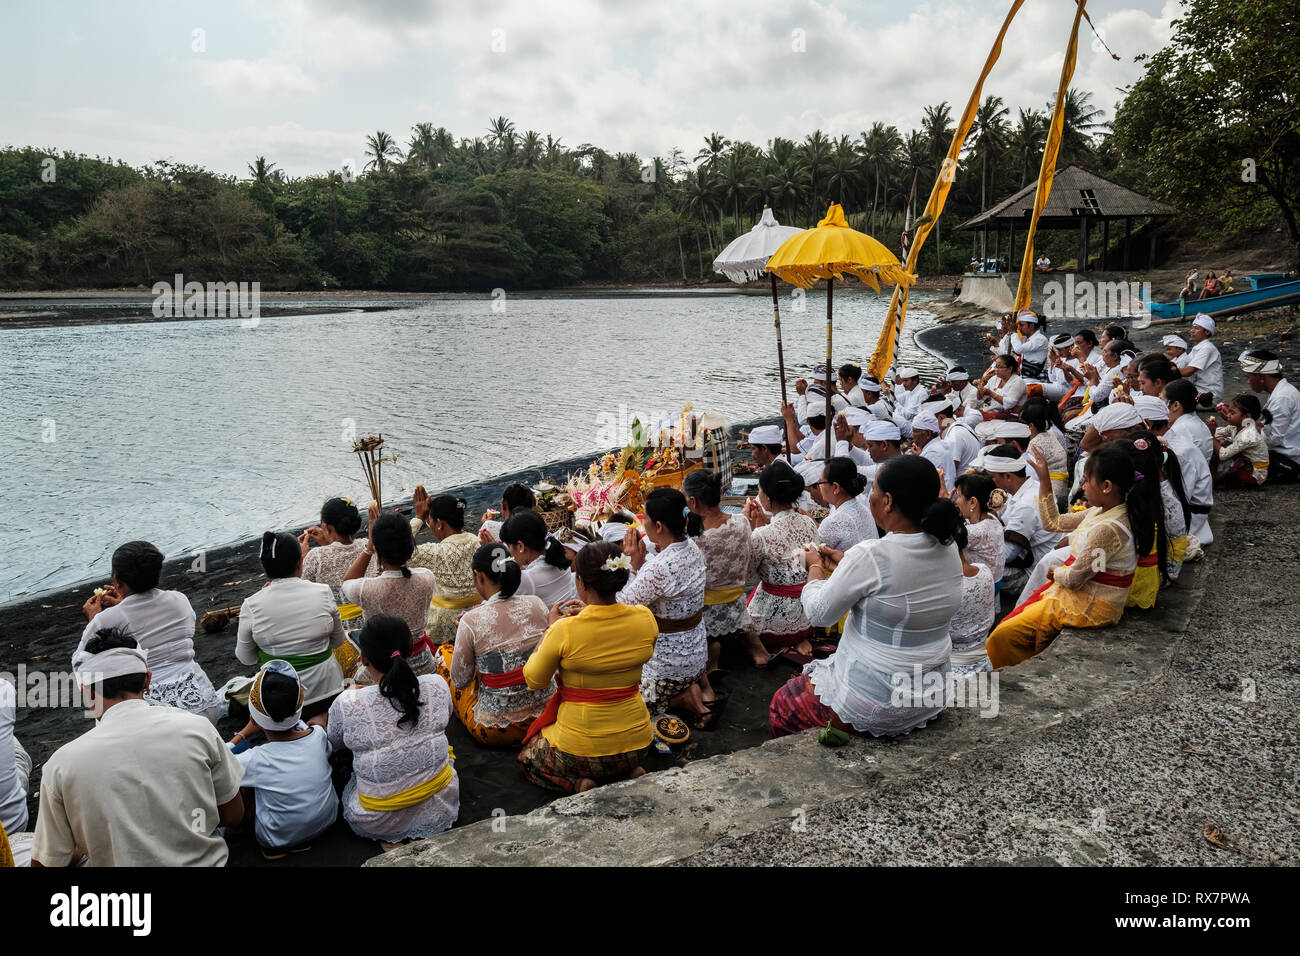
195, 433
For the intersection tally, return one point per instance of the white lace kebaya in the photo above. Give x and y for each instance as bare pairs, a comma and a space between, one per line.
671, 585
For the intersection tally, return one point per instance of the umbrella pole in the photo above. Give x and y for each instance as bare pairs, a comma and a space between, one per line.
780, 362
830, 292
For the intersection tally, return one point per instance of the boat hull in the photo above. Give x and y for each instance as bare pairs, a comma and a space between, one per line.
1268, 296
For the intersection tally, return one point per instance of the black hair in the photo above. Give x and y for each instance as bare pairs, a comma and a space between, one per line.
138, 565
492, 556
851, 371
590, 567
383, 635
817, 420
1007, 451
341, 515
955, 368
781, 483
1008, 359
529, 529
979, 486
107, 639
1116, 332
1088, 335
1042, 414
913, 483
280, 554
448, 509
1146, 507
668, 507
1158, 367
392, 540
619, 517
844, 472
704, 486
1181, 392
518, 497
775, 449
279, 695
1250, 405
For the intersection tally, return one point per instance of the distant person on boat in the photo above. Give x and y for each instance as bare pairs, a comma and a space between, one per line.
1203, 364
1042, 263
1263, 371
1189, 285
1211, 287
1225, 282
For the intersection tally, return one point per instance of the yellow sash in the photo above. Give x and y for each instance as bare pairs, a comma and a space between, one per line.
1059, 476
349, 612
412, 795
1259, 465
457, 604
721, 596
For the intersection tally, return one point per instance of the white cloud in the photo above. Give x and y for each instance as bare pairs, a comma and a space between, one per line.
241, 79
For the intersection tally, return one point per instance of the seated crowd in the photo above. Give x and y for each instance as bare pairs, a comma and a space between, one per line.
941, 531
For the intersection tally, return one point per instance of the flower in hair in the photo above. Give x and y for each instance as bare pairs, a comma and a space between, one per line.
619, 562
1140, 444
1137, 475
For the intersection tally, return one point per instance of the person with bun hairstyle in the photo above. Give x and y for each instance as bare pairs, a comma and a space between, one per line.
1091, 588
398, 590
671, 583
1147, 455
404, 785
775, 612
979, 500
543, 559
485, 666
596, 727
448, 558
723, 539
293, 620
841, 488
900, 593
516, 497
336, 547
163, 623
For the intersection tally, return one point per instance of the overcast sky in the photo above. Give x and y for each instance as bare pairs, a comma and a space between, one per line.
303, 82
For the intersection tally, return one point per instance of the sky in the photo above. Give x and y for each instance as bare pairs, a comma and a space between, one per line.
303, 82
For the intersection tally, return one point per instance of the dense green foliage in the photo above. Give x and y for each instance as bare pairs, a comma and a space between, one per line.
523, 210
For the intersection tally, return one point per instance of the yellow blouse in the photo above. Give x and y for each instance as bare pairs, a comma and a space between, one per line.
601, 647
1100, 542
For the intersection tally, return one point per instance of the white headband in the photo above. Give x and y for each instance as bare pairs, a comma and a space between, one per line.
999, 464
955, 376
1205, 322
1151, 408
90, 669
255, 709
1258, 366
869, 386
926, 422
1024, 315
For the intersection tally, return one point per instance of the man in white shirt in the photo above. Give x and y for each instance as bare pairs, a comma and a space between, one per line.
811, 399
928, 443
957, 387
910, 399
961, 438
1203, 364
1026, 541
1029, 344
875, 401
148, 786
848, 432
1282, 433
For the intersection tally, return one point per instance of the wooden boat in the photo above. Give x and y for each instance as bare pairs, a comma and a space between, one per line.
1268, 290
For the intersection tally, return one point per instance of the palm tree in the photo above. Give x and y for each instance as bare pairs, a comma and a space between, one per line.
736, 180
478, 154
699, 200
627, 167
530, 150
715, 144
1080, 120
381, 148
1025, 143
264, 174
880, 148
784, 184
991, 134
814, 157
422, 149
938, 128
844, 177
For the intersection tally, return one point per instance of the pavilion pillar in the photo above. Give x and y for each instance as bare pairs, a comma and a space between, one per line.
1128, 234
1011, 248
1151, 250
1083, 245
1105, 243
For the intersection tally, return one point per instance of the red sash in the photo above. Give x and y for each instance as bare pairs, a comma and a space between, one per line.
514, 678
576, 695
1150, 561
779, 590
1110, 580
421, 643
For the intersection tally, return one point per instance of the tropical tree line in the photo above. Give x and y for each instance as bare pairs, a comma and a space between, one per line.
523, 209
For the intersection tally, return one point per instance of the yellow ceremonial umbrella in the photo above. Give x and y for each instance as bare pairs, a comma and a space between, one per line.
830, 251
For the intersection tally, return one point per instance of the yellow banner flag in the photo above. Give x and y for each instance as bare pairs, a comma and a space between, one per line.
1047, 173
883, 356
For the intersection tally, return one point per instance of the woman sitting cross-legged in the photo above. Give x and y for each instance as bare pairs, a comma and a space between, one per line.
397, 591
1090, 589
596, 728
293, 620
493, 642
780, 534
901, 592
403, 784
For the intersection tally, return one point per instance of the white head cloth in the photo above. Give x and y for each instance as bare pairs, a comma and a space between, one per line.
1116, 415
882, 431
1026, 315
868, 386
1205, 322
613, 531
926, 421
1258, 366
1062, 341
988, 462
766, 435
1151, 408
955, 376
90, 669
908, 372
857, 417
1175, 341
255, 706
